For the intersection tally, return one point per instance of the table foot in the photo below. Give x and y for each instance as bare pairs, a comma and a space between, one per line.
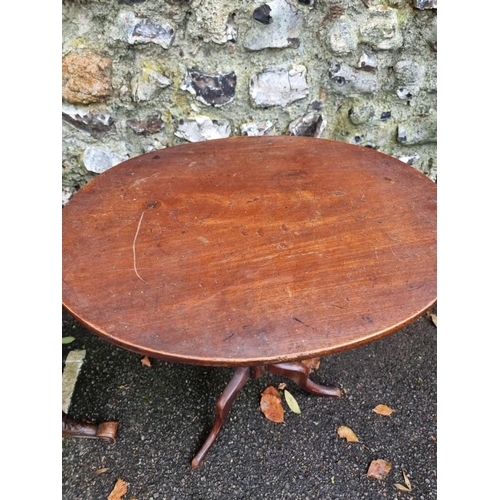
224, 403
105, 431
299, 373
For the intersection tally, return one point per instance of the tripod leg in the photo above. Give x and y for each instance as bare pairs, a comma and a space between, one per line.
224, 403
299, 373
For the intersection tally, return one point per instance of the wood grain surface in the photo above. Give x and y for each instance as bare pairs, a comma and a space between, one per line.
250, 250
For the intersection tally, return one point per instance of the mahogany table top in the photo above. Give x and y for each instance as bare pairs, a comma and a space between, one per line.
250, 250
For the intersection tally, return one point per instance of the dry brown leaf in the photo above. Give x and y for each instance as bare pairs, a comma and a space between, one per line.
102, 471
347, 434
407, 483
119, 490
312, 363
383, 410
407, 480
145, 361
378, 469
271, 406
282, 386
401, 487
433, 318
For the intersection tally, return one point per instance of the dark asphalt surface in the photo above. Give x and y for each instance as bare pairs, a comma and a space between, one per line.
166, 411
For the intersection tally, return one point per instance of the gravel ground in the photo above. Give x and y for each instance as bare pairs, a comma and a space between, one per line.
165, 412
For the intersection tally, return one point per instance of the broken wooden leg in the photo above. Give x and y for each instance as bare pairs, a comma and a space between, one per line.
105, 431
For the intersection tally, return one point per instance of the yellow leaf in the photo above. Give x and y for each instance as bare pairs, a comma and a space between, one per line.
347, 434
407, 481
292, 403
383, 410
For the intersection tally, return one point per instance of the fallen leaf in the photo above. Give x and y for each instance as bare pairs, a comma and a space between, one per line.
292, 403
407, 480
281, 386
119, 490
401, 487
383, 410
270, 404
347, 434
67, 340
312, 363
102, 471
407, 483
378, 469
145, 361
433, 318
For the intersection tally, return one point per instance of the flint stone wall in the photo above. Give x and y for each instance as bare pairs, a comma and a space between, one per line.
140, 75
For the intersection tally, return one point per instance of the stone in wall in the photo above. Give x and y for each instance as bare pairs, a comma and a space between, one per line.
426, 4
97, 123
147, 84
202, 128
368, 62
429, 33
230, 33
213, 21
409, 78
347, 80
309, 125
86, 77
344, 37
150, 125
361, 114
276, 24
211, 89
98, 160
257, 128
418, 130
132, 29
381, 29
409, 159
279, 87
66, 195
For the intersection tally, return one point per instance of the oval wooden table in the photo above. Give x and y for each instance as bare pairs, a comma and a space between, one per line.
251, 252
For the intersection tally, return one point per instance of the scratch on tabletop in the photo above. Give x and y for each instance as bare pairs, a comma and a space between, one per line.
133, 248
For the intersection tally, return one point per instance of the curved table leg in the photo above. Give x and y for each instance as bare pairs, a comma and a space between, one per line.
105, 431
224, 403
299, 373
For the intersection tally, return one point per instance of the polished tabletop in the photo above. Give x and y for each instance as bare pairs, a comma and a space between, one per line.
250, 250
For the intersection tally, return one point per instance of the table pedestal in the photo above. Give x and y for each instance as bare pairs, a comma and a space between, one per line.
295, 371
